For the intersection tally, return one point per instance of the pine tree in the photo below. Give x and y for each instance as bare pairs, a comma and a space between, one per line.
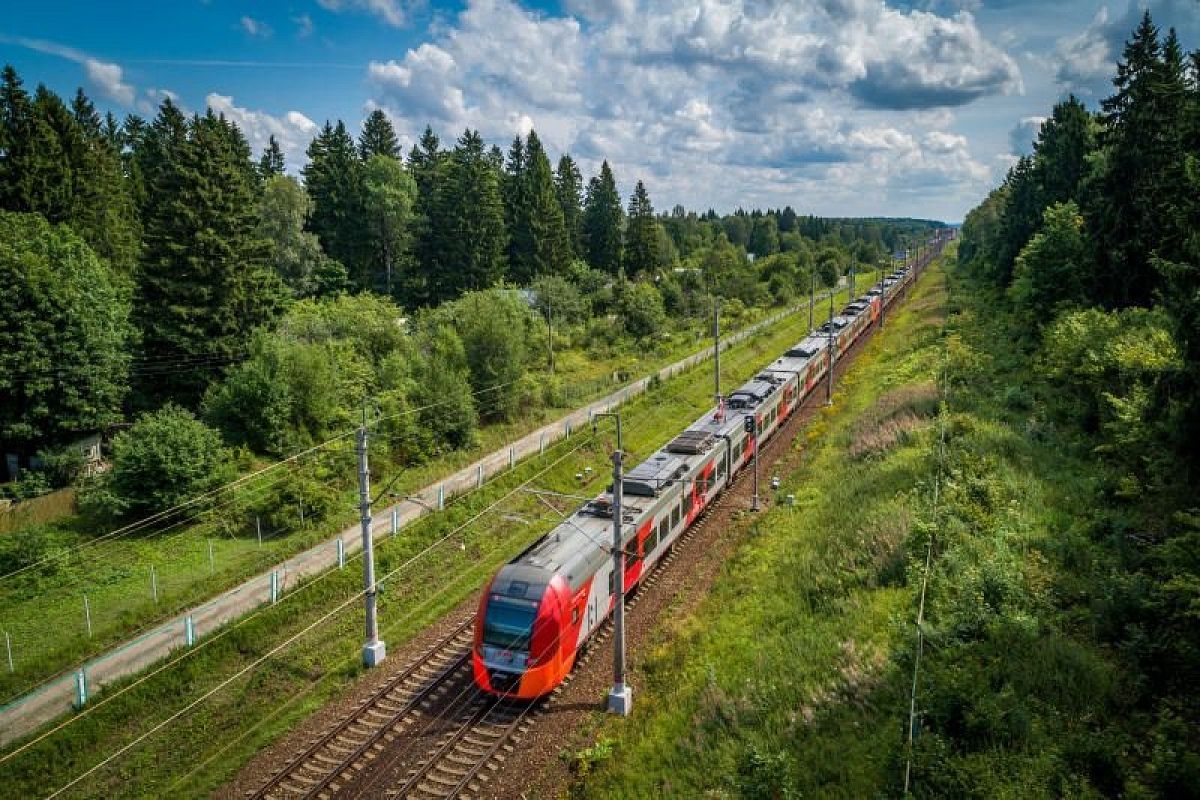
1143, 137
423, 161
568, 185
602, 222
1022, 216
641, 236
514, 190
102, 207
333, 178
1064, 143
378, 137
467, 224
538, 240
204, 283
427, 166
272, 162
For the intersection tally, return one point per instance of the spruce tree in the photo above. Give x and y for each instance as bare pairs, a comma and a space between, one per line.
204, 283
538, 243
272, 162
641, 236
1064, 143
467, 224
1143, 136
602, 222
378, 137
102, 207
334, 180
1022, 216
427, 166
514, 189
568, 185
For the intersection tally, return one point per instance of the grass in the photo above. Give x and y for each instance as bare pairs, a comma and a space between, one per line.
805, 617
195, 752
793, 678
197, 559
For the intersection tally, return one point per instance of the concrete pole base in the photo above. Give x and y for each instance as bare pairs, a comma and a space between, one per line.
374, 654
620, 699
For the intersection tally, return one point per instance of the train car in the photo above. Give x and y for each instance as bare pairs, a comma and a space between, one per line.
541, 608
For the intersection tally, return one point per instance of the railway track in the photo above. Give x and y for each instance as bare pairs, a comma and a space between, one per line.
333, 758
472, 731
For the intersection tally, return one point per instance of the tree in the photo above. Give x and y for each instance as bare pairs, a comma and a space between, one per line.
166, 458
427, 166
272, 162
1051, 269
58, 162
514, 189
65, 335
204, 281
641, 254
602, 222
764, 236
467, 231
538, 232
389, 193
1143, 136
494, 326
443, 388
1064, 143
378, 137
333, 178
1022, 215
568, 185
641, 310
295, 254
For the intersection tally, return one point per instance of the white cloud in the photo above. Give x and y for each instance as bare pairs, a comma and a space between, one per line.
1086, 58
304, 25
293, 130
1023, 135
104, 77
107, 79
255, 28
390, 11
715, 102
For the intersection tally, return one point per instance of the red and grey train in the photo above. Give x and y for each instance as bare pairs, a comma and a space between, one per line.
541, 607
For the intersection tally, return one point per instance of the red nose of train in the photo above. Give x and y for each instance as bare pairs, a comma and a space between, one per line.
519, 642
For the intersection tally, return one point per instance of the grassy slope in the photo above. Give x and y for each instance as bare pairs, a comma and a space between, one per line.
802, 621
195, 753
116, 576
794, 679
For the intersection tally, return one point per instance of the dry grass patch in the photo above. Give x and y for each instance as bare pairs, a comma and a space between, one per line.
893, 417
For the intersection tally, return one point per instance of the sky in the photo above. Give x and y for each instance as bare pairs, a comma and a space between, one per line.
834, 107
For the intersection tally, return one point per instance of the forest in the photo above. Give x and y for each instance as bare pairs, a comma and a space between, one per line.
204, 309
1090, 253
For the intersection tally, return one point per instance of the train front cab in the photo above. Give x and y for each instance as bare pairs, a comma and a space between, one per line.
525, 633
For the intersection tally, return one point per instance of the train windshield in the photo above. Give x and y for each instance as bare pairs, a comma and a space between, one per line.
509, 622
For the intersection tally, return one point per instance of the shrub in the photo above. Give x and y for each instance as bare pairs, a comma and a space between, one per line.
167, 457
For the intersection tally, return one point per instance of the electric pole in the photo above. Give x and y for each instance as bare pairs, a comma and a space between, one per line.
812, 298
550, 334
716, 349
620, 697
750, 425
829, 376
374, 651
882, 295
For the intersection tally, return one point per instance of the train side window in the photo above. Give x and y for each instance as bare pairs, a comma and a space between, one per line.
675, 516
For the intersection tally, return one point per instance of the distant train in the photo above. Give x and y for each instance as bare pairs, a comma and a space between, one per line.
541, 607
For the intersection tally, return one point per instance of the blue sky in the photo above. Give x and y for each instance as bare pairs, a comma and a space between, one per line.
836, 107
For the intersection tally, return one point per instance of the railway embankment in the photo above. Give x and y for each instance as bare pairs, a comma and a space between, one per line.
949, 608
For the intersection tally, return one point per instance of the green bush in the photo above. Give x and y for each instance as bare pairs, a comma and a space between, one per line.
34, 544
167, 457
